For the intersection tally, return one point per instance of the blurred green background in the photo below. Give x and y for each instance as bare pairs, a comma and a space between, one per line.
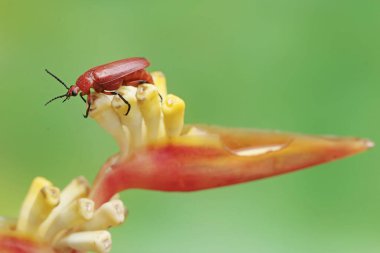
308, 66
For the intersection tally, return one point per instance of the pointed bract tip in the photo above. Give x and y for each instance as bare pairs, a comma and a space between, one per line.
369, 143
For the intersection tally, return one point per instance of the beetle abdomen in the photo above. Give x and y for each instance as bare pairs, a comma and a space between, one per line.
118, 69
141, 75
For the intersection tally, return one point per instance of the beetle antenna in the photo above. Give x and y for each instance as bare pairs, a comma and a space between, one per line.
67, 97
61, 96
56, 78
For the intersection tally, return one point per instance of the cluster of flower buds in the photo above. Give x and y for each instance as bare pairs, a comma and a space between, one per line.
67, 220
150, 116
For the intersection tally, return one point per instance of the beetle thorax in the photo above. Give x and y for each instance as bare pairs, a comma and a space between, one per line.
85, 82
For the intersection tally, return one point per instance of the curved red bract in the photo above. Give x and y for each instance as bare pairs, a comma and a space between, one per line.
216, 158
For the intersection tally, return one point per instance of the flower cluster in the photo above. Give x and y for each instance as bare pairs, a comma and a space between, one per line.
67, 220
157, 152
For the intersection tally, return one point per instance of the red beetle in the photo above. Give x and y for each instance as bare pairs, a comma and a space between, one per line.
107, 79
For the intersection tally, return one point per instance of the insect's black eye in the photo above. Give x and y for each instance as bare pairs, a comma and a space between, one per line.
74, 93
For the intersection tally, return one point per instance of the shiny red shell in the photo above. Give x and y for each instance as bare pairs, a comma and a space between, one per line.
111, 76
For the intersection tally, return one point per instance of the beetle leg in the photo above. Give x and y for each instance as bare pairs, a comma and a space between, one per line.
121, 97
81, 96
87, 111
125, 101
138, 82
89, 100
160, 97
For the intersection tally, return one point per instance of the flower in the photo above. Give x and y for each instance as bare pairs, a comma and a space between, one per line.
55, 221
157, 152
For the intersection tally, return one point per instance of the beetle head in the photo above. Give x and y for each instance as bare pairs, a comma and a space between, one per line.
73, 91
